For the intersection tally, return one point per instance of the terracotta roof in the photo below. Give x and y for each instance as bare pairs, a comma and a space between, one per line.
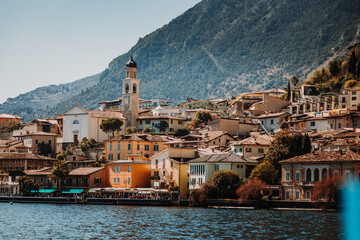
104, 114
7, 143
325, 156
270, 115
159, 117
223, 158
264, 140
129, 161
42, 171
4, 115
36, 134
85, 171
140, 137
23, 156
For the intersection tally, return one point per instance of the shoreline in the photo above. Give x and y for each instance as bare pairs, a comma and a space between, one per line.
279, 205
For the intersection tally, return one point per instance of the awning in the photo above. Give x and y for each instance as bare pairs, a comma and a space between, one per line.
73, 191
44, 190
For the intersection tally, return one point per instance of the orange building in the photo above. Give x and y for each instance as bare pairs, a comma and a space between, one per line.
128, 173
7, 119
122, 147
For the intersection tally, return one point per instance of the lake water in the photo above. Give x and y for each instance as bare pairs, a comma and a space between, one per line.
47, 221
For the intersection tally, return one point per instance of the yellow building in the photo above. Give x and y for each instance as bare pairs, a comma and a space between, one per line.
122, 147
128, 173
169, 169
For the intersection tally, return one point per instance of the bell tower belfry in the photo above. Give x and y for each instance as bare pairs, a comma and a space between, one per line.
130, 100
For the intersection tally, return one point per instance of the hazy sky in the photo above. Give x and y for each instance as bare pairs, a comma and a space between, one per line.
45, 42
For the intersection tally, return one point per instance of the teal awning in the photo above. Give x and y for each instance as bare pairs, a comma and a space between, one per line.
44, 190
73, 191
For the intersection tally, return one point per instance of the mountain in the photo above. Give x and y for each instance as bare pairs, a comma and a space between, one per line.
38, 102
225, 47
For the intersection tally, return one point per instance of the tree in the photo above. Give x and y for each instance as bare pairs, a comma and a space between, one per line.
147, 129
202, 117
326, 191
352, 63
266, 172
163, 125
87, 144
252, 190
350, 84
181, 132
284, 125
111, 125
334, 67
130, 130
59, 173
225, 183
201, 195
26, 184
295, 81
286, 145
288, 89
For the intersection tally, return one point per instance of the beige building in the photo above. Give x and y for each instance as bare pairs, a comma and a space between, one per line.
160, 123
300, 173
42, 143
169, 169
234, 126
254, 147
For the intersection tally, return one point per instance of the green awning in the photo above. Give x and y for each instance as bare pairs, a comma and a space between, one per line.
73, 191
44, 190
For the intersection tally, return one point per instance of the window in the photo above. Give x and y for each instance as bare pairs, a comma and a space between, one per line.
118, 146
110, 157
287, 195
262, 122
156, 163
110, 147
308, 175
272, 121
216, 167
297, 195
219, 139
36, 141
118, 156
138, 147
134, 88
308, 195
164, 173
147, 121
297, 176
163, 163
287, 176
353, 92
353, 98
260, 150
129, 180
156, 147
97, 180
347, 175
240, 150
312, 124
127, 87
339, 125
115, 169
49, 141
129, 146
76, 122
248, 149
316, 175
171, 175
129, 168
115, 180
171, 163
146, 147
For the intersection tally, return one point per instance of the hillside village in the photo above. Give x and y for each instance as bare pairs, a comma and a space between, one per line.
133, 147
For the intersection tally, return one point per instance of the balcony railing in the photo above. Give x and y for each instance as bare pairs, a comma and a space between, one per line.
154, 177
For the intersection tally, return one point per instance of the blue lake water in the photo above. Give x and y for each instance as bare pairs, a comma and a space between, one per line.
47, 221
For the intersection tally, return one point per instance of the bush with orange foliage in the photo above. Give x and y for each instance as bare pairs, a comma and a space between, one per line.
205, 192
252, 190
326, 191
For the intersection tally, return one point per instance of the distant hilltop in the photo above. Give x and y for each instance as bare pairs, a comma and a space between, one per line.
215, 49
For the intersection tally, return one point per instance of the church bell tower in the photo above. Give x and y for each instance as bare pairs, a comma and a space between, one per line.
130, 100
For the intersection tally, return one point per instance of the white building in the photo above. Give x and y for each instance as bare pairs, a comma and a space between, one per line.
172, 112
80, 123
270, 122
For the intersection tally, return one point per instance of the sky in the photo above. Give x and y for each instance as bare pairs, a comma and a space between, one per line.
46, 42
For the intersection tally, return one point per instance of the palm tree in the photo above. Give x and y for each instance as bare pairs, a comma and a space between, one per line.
59, 173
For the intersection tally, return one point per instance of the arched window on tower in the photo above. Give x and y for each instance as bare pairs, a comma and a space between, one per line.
76, 122
127, 74
134, 74
134, 88
316, 175
127, 88
308, 175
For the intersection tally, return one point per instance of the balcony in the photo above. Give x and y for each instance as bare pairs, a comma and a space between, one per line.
154, 178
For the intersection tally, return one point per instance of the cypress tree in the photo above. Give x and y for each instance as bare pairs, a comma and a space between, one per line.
288, 92
352, 63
